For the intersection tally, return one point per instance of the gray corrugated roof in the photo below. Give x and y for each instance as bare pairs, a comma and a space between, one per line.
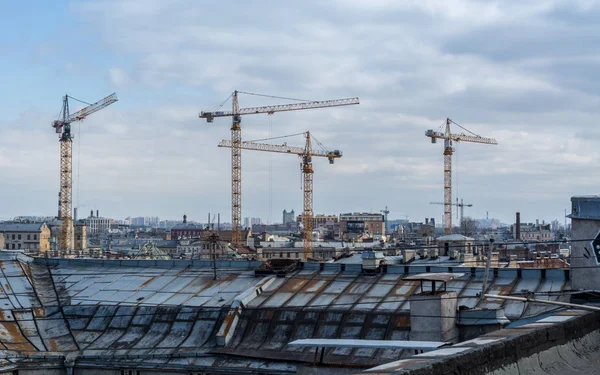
20, 227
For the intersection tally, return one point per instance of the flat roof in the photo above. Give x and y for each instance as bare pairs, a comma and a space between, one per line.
375, 344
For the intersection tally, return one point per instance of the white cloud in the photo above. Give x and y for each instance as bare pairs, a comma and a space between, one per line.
118, 77
503, 69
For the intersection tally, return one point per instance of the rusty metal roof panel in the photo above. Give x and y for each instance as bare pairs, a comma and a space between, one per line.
277, 300
107, 338
300, 300
440, 276
176, 335
346, 301
322, 301
380, 290
177, 284
119, 297
155, 334
514, 309
158, 298
178, 299
367, 303
197, 301
336, 287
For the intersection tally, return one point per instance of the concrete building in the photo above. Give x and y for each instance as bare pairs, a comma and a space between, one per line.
320, 220
288, 217
28, 237
251, 221
354, 225
96, 224
585, 248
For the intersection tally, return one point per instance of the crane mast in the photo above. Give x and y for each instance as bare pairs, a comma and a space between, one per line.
65, 201
305, 153
307, 215
449, 138
236, 139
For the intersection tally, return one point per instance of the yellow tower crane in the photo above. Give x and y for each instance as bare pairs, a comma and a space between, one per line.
65, 202
305, 153
448, 138
236, 114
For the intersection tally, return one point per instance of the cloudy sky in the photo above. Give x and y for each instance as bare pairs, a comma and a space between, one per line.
523, 72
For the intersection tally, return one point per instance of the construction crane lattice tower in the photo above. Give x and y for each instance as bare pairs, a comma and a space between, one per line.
65, 201
236, 139
305, 153
449, 138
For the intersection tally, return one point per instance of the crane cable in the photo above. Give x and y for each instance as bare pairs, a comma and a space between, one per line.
272, 138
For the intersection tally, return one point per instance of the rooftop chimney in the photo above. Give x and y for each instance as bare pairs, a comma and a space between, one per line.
518, 227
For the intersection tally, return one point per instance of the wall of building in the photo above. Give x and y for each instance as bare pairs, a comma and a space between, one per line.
29, 242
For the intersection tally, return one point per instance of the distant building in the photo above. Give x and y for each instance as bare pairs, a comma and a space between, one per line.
276, 229
250, 221
186, 229
353, 225
29, 237
97, 225
80, 235
201, 247
454, 243
320, 220
288, 217
533, 232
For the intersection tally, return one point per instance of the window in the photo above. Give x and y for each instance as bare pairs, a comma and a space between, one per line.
19, 236
296, 255
19, 246
289, 254
13, 247
13, 236
7, 246
28, 237
281, 254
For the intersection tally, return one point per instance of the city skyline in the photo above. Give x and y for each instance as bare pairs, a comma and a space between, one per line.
412, 65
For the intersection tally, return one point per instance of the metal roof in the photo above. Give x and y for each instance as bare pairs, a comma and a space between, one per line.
441, 276
377, 344
454, 237
169, 311
20, 227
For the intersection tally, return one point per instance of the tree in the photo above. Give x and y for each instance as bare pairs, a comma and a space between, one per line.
469, 227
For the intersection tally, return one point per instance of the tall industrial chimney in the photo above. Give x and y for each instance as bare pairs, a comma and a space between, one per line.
91, 213
518, 227
218, 221
426, 221
97, 213
75, 214
184, 218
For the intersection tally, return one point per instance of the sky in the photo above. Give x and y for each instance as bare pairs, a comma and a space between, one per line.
524, 73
